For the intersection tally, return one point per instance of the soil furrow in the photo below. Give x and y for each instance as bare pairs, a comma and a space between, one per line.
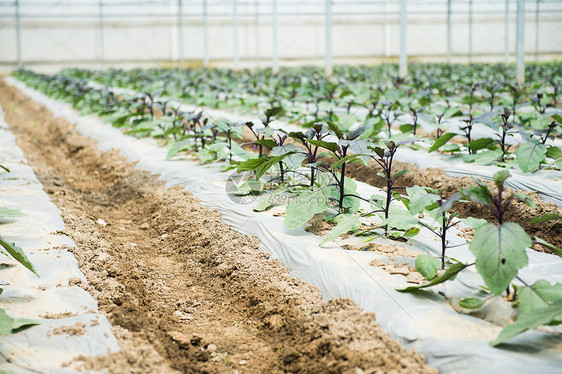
184, 292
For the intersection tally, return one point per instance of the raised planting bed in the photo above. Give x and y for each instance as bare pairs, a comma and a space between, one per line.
61, 319
183, 291
453, 323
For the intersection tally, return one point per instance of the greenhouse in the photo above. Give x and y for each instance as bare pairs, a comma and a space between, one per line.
264, 186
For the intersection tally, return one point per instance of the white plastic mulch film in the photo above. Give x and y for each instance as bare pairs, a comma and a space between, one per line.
452, 342
545, 182
53, 299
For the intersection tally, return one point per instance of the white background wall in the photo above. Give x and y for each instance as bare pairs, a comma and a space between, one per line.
147, 31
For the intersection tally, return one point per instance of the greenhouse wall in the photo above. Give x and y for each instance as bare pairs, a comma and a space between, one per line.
358, 33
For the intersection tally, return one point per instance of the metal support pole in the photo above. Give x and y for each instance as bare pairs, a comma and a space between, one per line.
180, 32
257, 33
520, 43
275, 41
18, 35
205, 35
470, 31
449, 35
537, 11
403, 68
386, 30
101, 45
506, 53
329, 38
235, 34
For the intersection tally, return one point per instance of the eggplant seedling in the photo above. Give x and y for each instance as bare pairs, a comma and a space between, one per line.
384, 157
317, 133
266, 131
500, 254
340, 150
438, 207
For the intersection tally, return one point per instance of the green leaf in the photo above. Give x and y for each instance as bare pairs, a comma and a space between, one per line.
453, 111
8, 213
448, 204
501, 176
530, 155
119, 118
333, 147
475, 223
307, 205
553, 248
539, 295
357, 132
480, 194
400, 221
500, 253
263, 205
270, 161
471, 303
528, 200
543, 218
450, 273
441, 141
427, 266
17, 253
481, 143
553, 152
540, 123
349, 159
251, 164
350, 203
558, 164
272, 112
345, 223
419, 199
530, 320
487, 157
206, 155
4, 167
400, 173
267, 143
9, 325
336, 130
175, 147
346, 120
451, 148
269, 201
250, 186
410, 233
406, 128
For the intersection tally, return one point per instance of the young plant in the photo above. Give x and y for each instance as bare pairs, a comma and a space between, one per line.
265, 132
317, 133
438, 207
470, 100
388, 113
505, 131
232, 130
384, 157
499, 249
531, 154
342, 151
332, 189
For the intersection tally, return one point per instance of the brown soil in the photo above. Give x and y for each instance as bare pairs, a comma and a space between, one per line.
550, 231
183, 291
